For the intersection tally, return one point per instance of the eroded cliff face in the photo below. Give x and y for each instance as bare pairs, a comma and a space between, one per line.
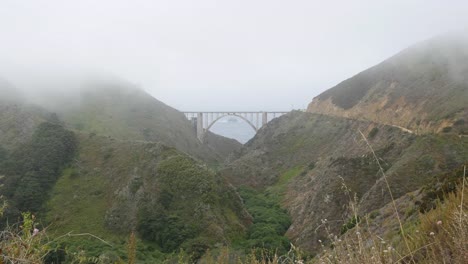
424, 89
307, 159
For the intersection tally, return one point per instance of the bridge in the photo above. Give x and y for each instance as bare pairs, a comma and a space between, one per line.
203, 121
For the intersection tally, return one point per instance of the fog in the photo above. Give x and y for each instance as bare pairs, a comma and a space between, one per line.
211, 54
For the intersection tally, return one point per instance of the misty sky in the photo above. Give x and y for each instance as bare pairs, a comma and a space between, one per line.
216, 54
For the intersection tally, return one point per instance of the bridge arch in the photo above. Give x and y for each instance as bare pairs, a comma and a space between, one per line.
231, 114
203, 121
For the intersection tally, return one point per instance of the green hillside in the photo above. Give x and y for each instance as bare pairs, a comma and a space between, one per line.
114, 187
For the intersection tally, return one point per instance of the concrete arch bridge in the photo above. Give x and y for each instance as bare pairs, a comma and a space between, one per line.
203, 121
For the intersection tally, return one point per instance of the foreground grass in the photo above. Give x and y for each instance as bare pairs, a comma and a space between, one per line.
440, 236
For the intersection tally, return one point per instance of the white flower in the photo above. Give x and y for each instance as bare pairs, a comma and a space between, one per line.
35, 231
432, 233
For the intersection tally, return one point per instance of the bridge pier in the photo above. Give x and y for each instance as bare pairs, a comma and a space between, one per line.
200, 129
264, 118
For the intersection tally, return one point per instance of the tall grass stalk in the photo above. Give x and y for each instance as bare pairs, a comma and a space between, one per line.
391, 196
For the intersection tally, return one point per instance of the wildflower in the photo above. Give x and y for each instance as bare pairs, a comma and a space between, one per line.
35, 231
320, 241
432, 233
439, 222
358, 233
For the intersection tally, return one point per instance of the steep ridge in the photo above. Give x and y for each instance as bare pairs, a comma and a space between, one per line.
8, 93
423, 88
121, 110
17, 118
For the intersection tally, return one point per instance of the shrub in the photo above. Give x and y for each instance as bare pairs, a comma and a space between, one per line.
23, 245
459, 122
168, 231
350, 224
446, 129
373, 133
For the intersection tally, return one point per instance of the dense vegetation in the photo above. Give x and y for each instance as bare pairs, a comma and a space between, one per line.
169, 221
270, 222
168, 199
31, 170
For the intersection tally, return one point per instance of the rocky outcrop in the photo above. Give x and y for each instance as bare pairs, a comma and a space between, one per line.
423, 88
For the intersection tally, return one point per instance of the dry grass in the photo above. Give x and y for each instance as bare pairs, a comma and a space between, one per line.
23, 245
444, 230
440, 237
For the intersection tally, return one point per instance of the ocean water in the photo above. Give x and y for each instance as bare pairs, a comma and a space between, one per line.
239, 130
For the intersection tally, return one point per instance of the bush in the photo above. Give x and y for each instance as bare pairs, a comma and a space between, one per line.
373, 133
23, 245
350, 224
459, 122
167, 231
446, 129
